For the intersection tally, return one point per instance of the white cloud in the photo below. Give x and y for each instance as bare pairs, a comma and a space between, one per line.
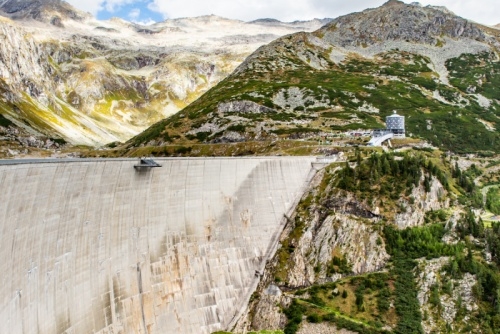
134, 14
91, 6
483, 11
95, 6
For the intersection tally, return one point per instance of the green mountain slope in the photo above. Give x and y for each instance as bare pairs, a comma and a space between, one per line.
437, 69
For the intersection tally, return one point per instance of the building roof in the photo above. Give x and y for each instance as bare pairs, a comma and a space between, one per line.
395, 115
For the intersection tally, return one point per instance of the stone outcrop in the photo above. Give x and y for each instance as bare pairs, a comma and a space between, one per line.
268, 314
47, 11
432, 276
346, 237
243, 107
414, 214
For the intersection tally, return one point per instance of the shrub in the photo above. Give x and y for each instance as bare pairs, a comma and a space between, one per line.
314, 318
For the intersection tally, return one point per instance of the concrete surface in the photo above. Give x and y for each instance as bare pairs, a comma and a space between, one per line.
377, 141
98, 247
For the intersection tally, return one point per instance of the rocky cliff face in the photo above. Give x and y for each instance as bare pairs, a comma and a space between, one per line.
93, 82
48, 11
398, 21
338, 237
460, 298
413, 214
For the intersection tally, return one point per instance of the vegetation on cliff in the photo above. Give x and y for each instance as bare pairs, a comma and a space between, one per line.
443, 275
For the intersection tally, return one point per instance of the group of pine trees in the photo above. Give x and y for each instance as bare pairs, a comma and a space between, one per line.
493, 200
465, 179
389, 175
394, 176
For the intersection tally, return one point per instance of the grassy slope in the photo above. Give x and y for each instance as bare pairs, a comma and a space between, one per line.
393, 81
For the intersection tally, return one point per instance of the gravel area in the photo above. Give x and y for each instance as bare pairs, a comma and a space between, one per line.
321, 328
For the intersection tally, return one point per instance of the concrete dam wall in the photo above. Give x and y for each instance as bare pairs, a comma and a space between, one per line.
99, 247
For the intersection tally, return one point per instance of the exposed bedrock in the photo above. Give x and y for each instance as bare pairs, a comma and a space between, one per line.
98, 247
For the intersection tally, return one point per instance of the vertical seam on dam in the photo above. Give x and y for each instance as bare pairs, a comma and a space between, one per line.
141, 297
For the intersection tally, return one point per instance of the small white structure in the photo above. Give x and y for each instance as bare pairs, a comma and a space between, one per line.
378, 140
396, 124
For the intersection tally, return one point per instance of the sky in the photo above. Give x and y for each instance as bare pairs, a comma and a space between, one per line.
150, 11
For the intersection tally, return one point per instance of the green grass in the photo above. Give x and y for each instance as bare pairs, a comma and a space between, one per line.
466, 69
339, 303
346, 87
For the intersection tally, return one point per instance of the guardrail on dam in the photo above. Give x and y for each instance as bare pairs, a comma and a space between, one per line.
94, 246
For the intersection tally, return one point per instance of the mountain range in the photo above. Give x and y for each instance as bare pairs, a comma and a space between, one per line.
64, 74
440, 71
67, 77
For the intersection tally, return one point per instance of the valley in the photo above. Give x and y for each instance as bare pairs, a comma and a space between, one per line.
67, 75
209, 175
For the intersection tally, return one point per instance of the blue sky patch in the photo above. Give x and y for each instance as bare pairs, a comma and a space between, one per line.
134, 12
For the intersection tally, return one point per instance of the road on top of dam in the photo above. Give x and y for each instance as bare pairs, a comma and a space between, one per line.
66, 160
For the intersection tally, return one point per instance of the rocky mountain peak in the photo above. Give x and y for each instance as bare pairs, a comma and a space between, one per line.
54, 12
397, 21
266, 20
393, 3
